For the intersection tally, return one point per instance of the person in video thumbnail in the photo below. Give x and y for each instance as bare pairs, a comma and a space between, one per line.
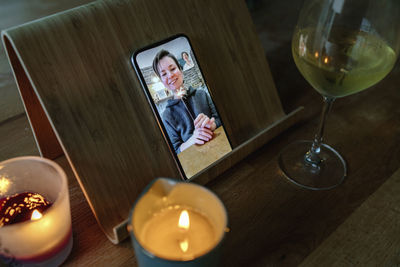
188, 62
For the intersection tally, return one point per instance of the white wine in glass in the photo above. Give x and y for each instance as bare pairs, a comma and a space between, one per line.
340, 47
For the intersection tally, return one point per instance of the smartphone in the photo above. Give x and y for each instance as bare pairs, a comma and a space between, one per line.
176, 89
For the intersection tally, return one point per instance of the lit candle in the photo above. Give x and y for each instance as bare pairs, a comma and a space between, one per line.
178, 233
36, 227
177, 224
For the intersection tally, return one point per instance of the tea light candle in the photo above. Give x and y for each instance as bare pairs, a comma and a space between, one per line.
177, 223
44, 239
178, 233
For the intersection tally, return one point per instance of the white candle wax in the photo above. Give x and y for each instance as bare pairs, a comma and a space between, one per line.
163, 236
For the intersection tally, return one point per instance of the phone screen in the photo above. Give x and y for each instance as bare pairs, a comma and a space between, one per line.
182, 104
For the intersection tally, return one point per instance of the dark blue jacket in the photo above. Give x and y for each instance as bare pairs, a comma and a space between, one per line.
178, 117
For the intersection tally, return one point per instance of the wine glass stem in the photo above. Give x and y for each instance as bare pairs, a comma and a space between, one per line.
312, 157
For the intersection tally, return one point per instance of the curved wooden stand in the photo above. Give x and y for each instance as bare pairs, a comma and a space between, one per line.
84, 99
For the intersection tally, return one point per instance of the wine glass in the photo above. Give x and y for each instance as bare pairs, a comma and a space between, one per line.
340, 47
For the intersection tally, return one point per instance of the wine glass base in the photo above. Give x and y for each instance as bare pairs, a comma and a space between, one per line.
327, 175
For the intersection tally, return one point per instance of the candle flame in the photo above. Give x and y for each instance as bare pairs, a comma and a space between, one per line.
184, 245
326, 60
316, 54
184, 221
36, 215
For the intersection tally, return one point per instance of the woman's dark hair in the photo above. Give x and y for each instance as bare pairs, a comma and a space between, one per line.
184, 53
160, 55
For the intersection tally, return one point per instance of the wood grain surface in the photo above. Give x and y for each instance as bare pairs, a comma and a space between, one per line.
46, 140
14, 13
273, 222
369, 237
80, 71
197, 157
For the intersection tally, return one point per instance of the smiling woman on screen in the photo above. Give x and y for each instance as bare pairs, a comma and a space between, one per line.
190, 117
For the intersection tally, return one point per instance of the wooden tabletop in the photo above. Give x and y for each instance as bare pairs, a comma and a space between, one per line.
197, 157
273, 222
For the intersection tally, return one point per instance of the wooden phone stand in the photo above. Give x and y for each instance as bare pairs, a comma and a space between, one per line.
84, 100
